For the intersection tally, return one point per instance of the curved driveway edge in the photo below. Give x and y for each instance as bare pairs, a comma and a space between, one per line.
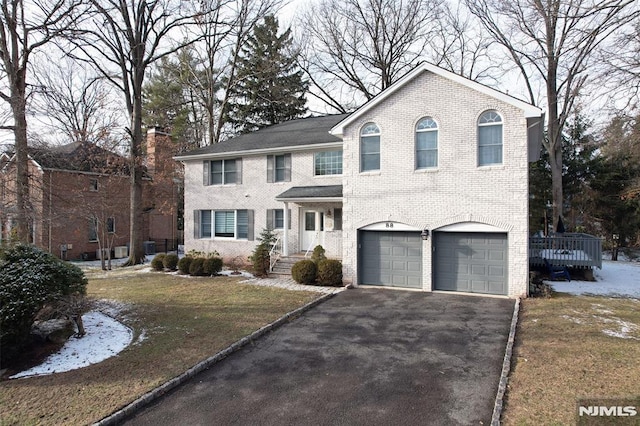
364, 357
129, 410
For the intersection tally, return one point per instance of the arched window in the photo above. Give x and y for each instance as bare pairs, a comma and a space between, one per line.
426, 143
369, 147
489, 138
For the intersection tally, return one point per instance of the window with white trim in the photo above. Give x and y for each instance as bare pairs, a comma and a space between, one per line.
232, 224
489, 138
369, 147
426, 143
327, 163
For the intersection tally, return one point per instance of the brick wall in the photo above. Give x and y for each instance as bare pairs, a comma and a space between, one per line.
254, 194
457, 191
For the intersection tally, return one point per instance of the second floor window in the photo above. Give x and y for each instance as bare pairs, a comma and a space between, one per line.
489, 139
279, 168
369, 148
223, 172
327, 163
426, 144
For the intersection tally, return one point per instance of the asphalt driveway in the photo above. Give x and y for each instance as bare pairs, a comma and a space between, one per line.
364, 357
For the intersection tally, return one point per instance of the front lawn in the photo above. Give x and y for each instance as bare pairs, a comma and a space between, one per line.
177, 322
569, 348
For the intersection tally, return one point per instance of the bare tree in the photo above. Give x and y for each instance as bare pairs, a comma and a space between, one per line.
554, 42
461, 45
78, 104
622, 77
222, 30
122, 39
26, 27
363, 46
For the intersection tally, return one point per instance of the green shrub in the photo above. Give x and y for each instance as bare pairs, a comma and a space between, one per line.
330, 273
29, 279
259, 259
157, 263
212, 265
170, 261
196, 268
184, 264
318, 254
304, 271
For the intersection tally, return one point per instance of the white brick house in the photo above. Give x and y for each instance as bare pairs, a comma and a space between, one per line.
425, 186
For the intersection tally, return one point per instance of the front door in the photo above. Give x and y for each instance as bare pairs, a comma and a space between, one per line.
312, 229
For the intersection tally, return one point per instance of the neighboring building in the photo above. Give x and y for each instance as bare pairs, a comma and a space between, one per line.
425, 186
79, 198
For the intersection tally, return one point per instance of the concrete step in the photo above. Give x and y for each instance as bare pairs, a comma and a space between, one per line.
284, 264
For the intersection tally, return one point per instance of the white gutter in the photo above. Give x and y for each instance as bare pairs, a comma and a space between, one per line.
245, 152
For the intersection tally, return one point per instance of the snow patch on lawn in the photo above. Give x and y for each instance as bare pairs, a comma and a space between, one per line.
617, 279
623, 329
105, 338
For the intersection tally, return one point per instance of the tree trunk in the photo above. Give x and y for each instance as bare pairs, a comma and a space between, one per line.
80, 324
18, 106
136, 252
554, 128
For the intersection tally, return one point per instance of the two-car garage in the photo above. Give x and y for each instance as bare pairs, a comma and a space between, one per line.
471, 262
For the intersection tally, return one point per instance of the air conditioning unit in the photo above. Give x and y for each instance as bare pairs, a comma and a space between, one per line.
120, 252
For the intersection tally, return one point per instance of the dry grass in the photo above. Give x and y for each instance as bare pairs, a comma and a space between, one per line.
569, 348
184, 320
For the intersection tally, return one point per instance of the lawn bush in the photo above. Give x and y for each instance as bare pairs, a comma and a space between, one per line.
196, 268
157, 263
170, 261
184, 264
212, 265
259, 258
330, 273
318, 254
304, 271
29, 279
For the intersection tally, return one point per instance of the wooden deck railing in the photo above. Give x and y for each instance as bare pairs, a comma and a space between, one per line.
571, 250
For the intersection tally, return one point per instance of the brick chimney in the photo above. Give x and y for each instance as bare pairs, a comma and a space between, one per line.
159, 151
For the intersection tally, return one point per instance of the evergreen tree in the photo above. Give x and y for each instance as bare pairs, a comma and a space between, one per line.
169, 101
269, 88
580, 166
616, 194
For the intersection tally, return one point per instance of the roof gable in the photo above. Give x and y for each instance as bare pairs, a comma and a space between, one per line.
528, 109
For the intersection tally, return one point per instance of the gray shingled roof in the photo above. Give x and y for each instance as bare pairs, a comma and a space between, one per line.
78, 156
328, 191
303, 131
